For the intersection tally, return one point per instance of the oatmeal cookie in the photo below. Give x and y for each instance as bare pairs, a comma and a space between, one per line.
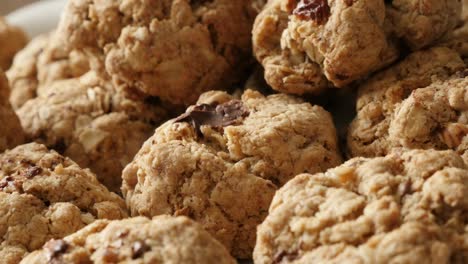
173, 49
89, 121
306, 46
458, 39
44, 195
406, 207
380, 96
11, 132
42, 62
435, 117
12, 40
163, 239
221, 162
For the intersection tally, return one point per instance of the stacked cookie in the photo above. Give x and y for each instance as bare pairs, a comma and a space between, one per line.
158, 140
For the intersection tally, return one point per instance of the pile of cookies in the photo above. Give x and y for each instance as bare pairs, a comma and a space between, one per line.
188, 131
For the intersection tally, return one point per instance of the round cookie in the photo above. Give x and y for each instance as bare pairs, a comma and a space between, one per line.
163, 239
12, 40
221, 162
42, 62
406, 207
458, 39
435, 117
173, 49
306, 46
11, 132
380, 96
94, 124
44, 195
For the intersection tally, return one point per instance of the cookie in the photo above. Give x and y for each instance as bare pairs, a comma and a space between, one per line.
91, 122
44, 195
380, 96
307, 46
163, 239
458, 39
42, 62
11, 132
221, 162
173, 49
435, 117
406, 207
12, 40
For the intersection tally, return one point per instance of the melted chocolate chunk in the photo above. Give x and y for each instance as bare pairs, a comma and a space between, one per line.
316, 10
32, 172
55, 248
139, 248
218, 116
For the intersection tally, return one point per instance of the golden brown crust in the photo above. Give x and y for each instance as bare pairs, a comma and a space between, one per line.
225, 176
163, 239
305, 44
195, 46
380, 96
44, 195
403, 208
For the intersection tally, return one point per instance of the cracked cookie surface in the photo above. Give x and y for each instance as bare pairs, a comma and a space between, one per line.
307, 46
89, 121
401, 208
194, 46
222, 161
380, 98
163, 239
44, 195
11, 132
42, 62
12, 40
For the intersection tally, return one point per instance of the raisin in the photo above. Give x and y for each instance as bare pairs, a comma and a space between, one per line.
316, 10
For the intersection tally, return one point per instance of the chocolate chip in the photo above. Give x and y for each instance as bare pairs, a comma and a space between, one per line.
55, 247
316, 10
139, 248
218, 116
5, 181
32, 172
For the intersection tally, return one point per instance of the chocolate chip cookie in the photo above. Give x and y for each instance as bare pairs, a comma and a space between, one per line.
93, 123
407, 207
380, 108
173, 49
44, 195
11, 132
12, 39
307, 46
221, 162
163, 239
